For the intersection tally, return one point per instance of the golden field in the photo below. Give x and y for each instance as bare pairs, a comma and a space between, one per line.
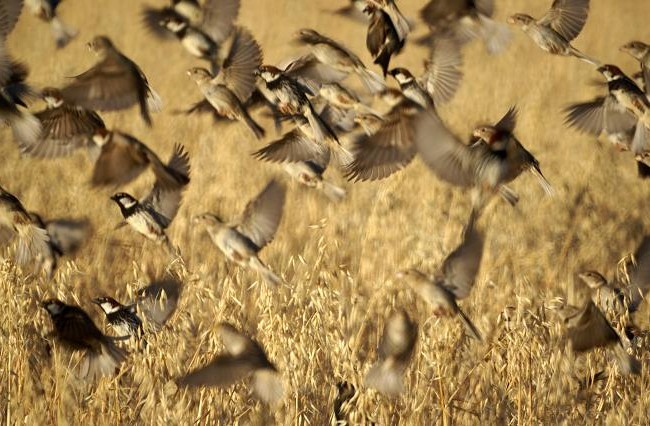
338, 260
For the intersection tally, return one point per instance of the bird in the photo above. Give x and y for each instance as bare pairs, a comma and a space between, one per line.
153, 18
387, 31
152, 215
119, 158
343, 98
114, 83
465, 20
641, 52
588, 329
241, 240
123, 319
353, 10
75, 330
394, 355
310, 174
45, 10
333, 54
158, 301
453, 280
554, 31
242, 358
64, 128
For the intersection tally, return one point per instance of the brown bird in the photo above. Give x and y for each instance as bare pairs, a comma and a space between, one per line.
394, 355
310, 174
641, 52
243, 357
64, 128
589, 329
75, 330
453, 280
115, 82
242, 240
554, 31
387, 31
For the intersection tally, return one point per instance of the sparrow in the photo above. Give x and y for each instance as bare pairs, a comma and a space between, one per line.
453, 280
346, 394
123, 319
641, 52
154, 213
32, 240
335, 55
45, 10
554, 31
64, 128
617, 296
115, 82
589, 329
241, 240
291, 99
387, 31
75, 330
394, 355
154, 18
158, 301
310, 174
465, 20
119, 158
242, 358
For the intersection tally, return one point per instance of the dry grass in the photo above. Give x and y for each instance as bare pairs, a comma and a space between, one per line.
338, 260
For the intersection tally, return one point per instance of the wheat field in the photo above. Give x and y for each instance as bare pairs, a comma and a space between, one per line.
338, 259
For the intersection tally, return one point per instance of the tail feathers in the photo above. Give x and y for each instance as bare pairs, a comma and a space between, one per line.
472, 330
62, 33
26, 128
333, 192
103, 363
341, 156
627, 363
578, 54
640, 138
257, 130
154, 101
509, 195
545, 184
267, 275
32, 243
371, 80
495, 35
267, 385
383, 60
385, 377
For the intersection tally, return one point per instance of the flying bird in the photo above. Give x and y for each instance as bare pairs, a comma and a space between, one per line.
45, 10
387, 31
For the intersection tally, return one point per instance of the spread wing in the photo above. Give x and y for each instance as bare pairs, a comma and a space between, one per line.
238, 69
219, 18
121, 160
293, 146
9, 13
567, 17
68, 235
262, 215
224, 370
461, 267
442, 76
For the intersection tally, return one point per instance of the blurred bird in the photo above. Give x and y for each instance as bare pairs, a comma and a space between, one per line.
153, 214
75, 330
554, 31
453, 280
465, 20
340, 97
589, 329
641, 52
122, 319
337, 56
158, 301
115, 82
46, 11
243, 357
394, 355
630, 96
354, 10
242, 240
310, 174
387, 31
64, 128
342, 404
119, 158
154, 18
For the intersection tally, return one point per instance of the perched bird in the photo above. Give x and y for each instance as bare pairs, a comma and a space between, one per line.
337, 56
310, 174
46, 11
641, 52
75, 330
589, 329
387, 31
243, 357
241, 241
291, 99
554, 31
153, 214
465, 20
453, 280
115, 82
64, 128
123, 319
394, 355
119, 158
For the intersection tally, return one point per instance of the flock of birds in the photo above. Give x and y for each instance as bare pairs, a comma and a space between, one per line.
328, 123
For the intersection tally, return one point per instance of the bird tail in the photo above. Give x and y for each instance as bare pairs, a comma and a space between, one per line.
333, 192
257, 130
26, 127
627, 363
371, 80
545, 184
586, 58
509, 195
267, 385
102, 363
63, 34
473, 331
267, 275
640, 138
386, 378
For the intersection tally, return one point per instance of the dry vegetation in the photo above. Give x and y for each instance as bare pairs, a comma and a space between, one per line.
338, 259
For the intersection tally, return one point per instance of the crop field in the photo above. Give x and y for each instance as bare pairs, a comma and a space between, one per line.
338, 261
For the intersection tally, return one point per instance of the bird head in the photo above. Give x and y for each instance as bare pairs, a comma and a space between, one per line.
269, 73
307, 35
101, 136
52, 97
124, 200
108, 304
100, 45
207, 219
636, 49
53, 306
402, 75
199, 74
488, 134
521, 19
610, 72
593, 279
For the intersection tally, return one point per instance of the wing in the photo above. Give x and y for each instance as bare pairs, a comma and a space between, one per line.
617, 118
158, 301
238, 70
75, 325
438, 11
485, 7
219, 18
398, 20
262, 215
587, 116
377, 33
293, 146
640, 275
309, 72
442, 76
567, 17
176, 172
461, 266
9, 13
224, 370
68, 235
590, 329
121, 160
509, 121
